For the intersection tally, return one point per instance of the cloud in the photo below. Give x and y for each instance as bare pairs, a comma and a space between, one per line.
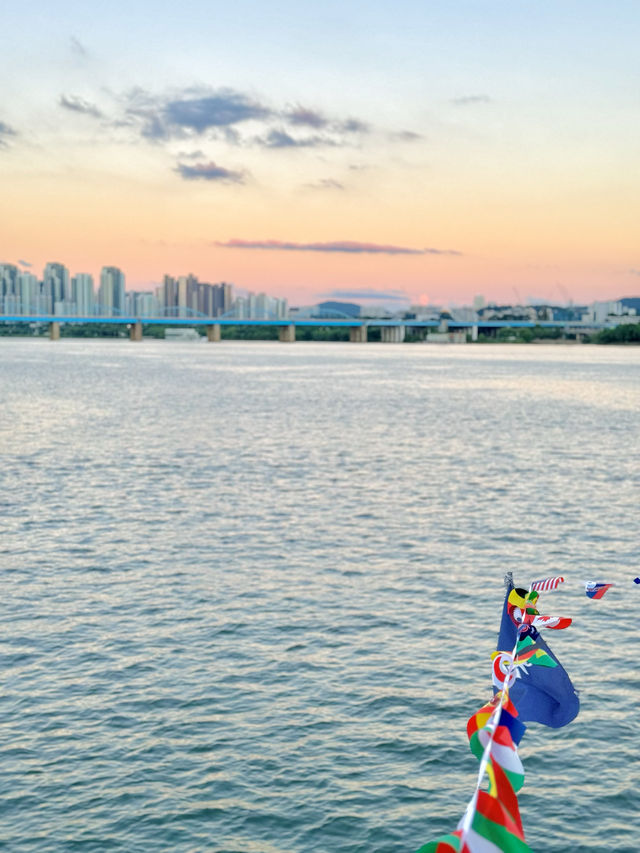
383, 295
221, 109
468, 100
77, 47
79, 105
5, 132
406, 136
634, 272
353, 125
209, 172
281, 139
339, 246
308, 118
225, 114
431, 251
326, 184
304, 117
192, 113
191, 155
25, 263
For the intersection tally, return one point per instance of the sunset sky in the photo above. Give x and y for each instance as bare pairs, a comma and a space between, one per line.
405, 151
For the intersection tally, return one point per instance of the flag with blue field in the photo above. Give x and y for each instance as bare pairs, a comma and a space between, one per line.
541, 691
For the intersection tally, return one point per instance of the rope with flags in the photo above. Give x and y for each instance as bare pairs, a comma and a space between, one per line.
529, 684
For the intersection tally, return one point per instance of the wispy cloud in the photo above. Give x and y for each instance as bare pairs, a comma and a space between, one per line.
299, 115
634, 272
5, 133
24, 263
77, 48
349, 247
353, 125
191, 155
406, 136
78, 105
209, 172
282, 139
469, 100
382, 295
432, 251
326, 184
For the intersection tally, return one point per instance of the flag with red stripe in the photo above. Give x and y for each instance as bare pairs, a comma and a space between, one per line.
546, 584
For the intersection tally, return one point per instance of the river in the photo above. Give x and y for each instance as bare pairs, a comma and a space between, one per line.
251, 590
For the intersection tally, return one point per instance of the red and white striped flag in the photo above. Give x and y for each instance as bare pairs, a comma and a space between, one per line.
546, 584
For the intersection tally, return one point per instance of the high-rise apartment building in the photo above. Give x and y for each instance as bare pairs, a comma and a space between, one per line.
8, 288
56, 287
30, 295
83, 294
111, 292
185, 296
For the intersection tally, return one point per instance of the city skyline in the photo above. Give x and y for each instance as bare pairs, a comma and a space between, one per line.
426, 154
59, 293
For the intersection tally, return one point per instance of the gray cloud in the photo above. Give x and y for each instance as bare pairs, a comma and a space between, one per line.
193, 112
468, 100
304, 117
353, 125
79, 105
25, 263
338, 246
383, 295
634, 272
221, 114
209, 172
282, 139
221, 109
308, 118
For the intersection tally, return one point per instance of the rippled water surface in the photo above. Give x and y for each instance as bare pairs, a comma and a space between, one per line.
250, 591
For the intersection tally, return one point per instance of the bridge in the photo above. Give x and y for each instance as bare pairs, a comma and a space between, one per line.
391, 330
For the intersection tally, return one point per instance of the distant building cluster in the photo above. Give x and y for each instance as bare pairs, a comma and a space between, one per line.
58, 293
61, 294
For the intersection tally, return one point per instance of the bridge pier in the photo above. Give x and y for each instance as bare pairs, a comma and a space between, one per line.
392, 334
213, 333
358, 334
474, 333
287, 334
135, 331
54, 331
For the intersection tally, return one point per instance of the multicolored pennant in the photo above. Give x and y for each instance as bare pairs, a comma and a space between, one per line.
445, 844
596, 590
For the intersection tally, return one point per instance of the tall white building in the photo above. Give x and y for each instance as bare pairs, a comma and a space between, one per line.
111, 292
83, 294
31, 299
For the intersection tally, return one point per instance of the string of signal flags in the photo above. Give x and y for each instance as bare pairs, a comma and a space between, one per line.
529, 685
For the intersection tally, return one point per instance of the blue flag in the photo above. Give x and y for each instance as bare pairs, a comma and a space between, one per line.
542, 691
